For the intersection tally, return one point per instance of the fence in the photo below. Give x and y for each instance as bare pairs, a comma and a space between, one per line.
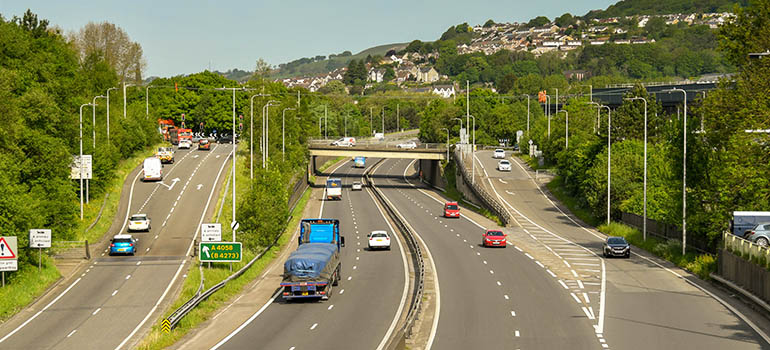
752, 277
482, 194
667, 231
745, 247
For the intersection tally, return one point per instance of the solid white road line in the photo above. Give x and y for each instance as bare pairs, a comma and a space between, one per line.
242, 326
181, 265
41, 311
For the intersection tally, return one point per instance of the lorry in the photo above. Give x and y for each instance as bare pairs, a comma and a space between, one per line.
314, 268
360, 162
333, 189
175, 135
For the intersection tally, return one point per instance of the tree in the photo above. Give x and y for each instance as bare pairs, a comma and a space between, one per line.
747, 32
262, 69
489, 23
122, 54
565, 20
356, 72
538, 21
506, 83
334, 87
389, 75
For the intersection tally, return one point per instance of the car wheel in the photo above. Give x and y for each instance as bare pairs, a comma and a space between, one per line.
604, 254
762, 242
628, 255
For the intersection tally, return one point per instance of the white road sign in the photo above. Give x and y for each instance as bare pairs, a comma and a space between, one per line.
87, 167
40, 238
8, 256
211, 232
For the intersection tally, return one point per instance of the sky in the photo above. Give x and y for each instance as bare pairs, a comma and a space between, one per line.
183, 37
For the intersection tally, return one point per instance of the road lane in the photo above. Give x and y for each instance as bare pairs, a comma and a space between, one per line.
92, 314
495, 298
646, 305
361, 309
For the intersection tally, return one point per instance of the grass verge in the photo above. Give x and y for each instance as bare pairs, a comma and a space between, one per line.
671, 250
158, 339
453, 193
26, 285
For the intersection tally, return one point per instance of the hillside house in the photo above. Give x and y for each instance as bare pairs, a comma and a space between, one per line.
445, 91
427, 75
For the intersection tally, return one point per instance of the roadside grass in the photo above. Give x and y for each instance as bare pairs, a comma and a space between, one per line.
329, 163
671, 250
158, 339
532, 162
556, 186
26, 285
453, 193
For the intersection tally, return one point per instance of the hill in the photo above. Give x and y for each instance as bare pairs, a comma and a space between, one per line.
322, 64
656, 7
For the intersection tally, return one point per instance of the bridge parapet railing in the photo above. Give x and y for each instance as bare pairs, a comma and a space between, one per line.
375, 144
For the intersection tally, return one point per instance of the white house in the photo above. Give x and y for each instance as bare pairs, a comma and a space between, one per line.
445, 91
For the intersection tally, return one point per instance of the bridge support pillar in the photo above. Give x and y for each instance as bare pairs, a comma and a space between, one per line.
430, 172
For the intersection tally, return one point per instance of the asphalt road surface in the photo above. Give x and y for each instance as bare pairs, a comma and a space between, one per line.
113, 300
649, 304
361, 311
490, 298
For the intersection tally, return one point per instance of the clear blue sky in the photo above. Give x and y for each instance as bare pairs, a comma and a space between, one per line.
180, 37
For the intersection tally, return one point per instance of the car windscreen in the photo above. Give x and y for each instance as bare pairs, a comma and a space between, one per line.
452, 207
499, 151
121, 240
138, 218
494, 233
504, 162
616, 240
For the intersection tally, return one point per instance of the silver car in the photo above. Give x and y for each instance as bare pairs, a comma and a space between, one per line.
760, 234
504, 165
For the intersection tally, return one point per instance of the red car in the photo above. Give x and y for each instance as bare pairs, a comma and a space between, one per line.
451, 210
494, 238
204, 144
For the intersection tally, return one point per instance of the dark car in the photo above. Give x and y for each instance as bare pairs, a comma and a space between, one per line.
616, 246
224, 138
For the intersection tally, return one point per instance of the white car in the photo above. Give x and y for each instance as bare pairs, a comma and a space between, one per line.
345, 142
379, 240
185, 144
504, 165
499, 153
356, 186
139, 222
407, 145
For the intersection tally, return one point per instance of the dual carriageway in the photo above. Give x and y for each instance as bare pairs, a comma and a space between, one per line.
548, 290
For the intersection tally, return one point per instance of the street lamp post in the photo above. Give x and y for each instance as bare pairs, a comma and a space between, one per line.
644, 224
527, 113
108, 113
94, 119
684, 171
147, 101
566, 127
80, 166
598, 109
609, 158
251, 136
557, 99
124, 98
548, 113
473, 152
283, 132
266, 131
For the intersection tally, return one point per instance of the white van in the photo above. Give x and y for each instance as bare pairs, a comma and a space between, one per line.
153, 169
345, 142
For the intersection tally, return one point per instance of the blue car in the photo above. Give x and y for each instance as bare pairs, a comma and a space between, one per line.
123, 244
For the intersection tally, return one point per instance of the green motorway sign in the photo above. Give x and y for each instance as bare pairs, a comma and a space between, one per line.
220, 251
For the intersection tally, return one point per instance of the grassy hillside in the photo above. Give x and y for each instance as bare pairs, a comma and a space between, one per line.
329, 65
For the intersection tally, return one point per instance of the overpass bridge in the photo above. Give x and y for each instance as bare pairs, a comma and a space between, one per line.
428, 154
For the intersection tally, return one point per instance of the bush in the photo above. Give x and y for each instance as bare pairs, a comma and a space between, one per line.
703, 265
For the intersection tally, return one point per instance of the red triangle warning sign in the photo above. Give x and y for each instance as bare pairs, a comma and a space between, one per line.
5, 250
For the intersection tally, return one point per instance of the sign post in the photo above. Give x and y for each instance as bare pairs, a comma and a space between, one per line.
40, 238
8, 256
